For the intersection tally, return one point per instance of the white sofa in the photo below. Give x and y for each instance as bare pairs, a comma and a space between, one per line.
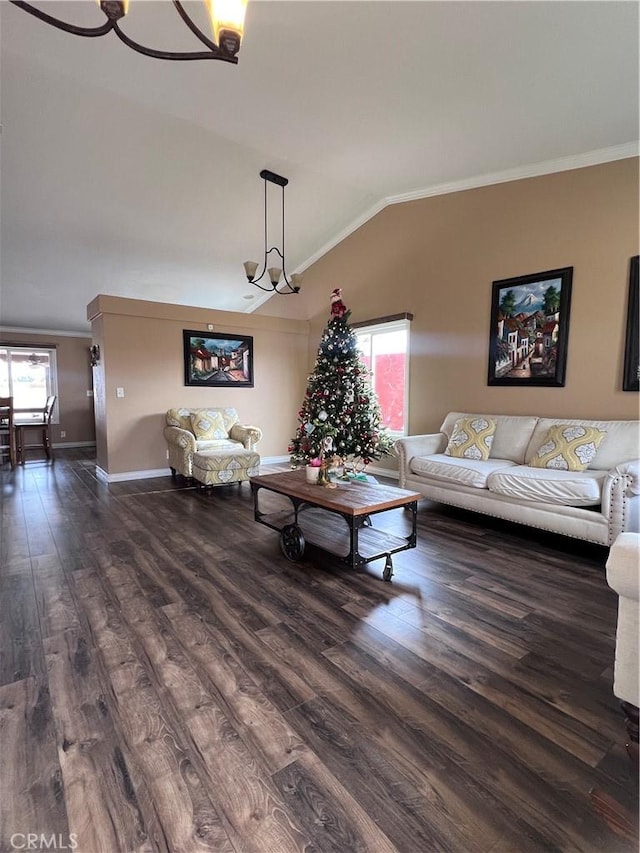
594, 505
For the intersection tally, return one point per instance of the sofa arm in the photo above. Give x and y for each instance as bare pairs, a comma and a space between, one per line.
182, 445
417, 445
180, 437
631, 470
248, 435
621, 498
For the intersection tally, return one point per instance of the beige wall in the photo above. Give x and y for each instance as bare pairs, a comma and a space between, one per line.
74, 408
437, 258
142, 351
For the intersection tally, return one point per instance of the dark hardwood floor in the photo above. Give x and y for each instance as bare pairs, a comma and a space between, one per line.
170, 682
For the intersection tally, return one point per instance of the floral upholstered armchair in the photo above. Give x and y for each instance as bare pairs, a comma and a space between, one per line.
190, 430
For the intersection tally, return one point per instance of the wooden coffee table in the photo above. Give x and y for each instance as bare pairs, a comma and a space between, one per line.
317, 515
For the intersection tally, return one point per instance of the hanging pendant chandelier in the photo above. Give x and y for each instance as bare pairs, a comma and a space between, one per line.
280, 282
227, 22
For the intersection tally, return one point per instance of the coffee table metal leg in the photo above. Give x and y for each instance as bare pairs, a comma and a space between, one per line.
353, 558
412, 539
292, 542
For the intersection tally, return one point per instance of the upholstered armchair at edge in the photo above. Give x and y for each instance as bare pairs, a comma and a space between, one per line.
623, 576
189, 431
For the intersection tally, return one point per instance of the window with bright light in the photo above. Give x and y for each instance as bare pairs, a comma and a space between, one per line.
29, 376
384, 348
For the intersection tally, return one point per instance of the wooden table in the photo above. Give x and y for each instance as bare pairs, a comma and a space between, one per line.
314, 512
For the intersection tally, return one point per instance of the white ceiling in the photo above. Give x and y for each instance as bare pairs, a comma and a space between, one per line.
137, 177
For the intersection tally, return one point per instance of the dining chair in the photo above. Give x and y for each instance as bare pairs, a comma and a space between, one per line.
7, 435
41, 424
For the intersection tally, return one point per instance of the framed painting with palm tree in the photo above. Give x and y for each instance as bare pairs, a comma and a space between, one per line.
530, 328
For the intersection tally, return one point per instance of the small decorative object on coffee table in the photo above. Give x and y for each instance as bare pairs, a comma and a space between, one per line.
313, 470
323, 476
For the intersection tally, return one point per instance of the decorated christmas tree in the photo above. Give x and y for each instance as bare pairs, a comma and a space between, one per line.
340, 415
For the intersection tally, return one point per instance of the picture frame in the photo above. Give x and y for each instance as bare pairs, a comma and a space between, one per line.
631, 372
530, 329
213, 360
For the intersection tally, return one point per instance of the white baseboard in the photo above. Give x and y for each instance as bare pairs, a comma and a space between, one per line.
274, 460
165, 472
382, 472
65, 445
102, 475
370, 469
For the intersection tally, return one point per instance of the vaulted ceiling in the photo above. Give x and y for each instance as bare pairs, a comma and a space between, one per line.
137, 177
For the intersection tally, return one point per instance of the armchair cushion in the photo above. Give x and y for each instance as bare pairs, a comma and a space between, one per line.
208, 425
218, 444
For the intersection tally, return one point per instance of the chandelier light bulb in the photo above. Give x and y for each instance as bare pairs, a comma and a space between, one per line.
250, 268
274, 274
227, 23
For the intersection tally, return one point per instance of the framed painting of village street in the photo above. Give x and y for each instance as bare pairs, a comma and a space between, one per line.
631, 375
218, 360
530, 329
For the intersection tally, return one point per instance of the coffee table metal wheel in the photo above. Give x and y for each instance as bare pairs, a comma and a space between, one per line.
387, 572
292, 542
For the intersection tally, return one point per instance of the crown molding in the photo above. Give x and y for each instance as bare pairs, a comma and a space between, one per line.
21, 330
353, 226
534, 170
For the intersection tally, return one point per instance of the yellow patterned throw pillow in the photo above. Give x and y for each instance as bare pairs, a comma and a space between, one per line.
568, 447
208, 425
471, 438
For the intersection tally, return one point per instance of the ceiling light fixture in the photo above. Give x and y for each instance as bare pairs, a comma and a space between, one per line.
227, 21
288, 285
